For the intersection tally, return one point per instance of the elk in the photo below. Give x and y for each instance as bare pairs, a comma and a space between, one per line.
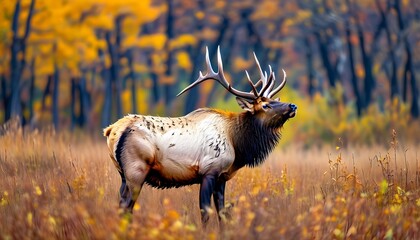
206, 147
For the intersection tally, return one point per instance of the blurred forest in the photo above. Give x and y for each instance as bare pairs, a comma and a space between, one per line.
85, 63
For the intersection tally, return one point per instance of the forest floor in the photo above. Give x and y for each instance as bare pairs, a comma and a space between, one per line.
64, 186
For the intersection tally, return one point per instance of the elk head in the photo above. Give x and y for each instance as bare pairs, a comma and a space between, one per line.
259, 103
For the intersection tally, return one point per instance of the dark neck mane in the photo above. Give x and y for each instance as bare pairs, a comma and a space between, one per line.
252, 140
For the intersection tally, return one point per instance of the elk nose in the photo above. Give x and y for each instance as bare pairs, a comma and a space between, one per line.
293, 107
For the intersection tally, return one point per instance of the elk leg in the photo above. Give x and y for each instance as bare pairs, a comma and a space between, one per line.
131, 187
206, 190
219, 199
125, 199
128, 197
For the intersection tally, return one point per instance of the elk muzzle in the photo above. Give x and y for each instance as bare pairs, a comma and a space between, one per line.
293, 109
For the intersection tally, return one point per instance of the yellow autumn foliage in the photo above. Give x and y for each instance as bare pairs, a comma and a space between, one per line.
100, 22
183, 41
183, 60
240, 64
130, 41
156, 41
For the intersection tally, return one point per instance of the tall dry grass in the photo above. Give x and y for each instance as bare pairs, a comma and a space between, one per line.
64, 186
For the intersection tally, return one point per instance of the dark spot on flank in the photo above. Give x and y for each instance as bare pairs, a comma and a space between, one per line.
171, 145
173, 133
161, 128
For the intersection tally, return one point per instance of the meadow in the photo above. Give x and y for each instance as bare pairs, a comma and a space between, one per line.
64, 186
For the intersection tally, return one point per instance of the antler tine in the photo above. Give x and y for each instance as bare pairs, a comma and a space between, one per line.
282, 84
219, 77
201, 78
269, 84
208, 63
264, 80
254, 90
273, 81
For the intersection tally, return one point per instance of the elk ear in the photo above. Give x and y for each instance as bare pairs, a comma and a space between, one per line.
245, 105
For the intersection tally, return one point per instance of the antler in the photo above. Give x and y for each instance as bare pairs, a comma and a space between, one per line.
276, 90
219, 77
267, 83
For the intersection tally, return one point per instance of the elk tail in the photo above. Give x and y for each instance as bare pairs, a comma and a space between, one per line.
117, 156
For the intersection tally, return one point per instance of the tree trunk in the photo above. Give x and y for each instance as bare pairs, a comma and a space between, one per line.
133, 82
4, 95
55, 99
393, 76
13, 109
46, 92
114, 69
155, 82
73, 104
310, 66
193, 94
108, 96
367, 63
409, 69
323, 50
18, 47
84, 101
212, 52
32, 91
354, 80
167, 88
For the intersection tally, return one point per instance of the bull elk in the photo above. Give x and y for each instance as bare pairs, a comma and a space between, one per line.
206, 147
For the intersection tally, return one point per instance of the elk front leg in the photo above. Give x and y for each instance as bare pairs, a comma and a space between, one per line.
208, 183
219, 199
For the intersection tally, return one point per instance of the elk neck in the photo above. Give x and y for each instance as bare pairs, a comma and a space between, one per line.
252, 139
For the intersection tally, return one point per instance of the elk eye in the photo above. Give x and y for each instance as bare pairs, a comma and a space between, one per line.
266, 106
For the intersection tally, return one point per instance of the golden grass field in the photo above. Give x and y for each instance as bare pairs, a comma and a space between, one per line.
64, 186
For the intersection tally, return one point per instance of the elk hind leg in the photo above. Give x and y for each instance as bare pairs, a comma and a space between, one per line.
132, 185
